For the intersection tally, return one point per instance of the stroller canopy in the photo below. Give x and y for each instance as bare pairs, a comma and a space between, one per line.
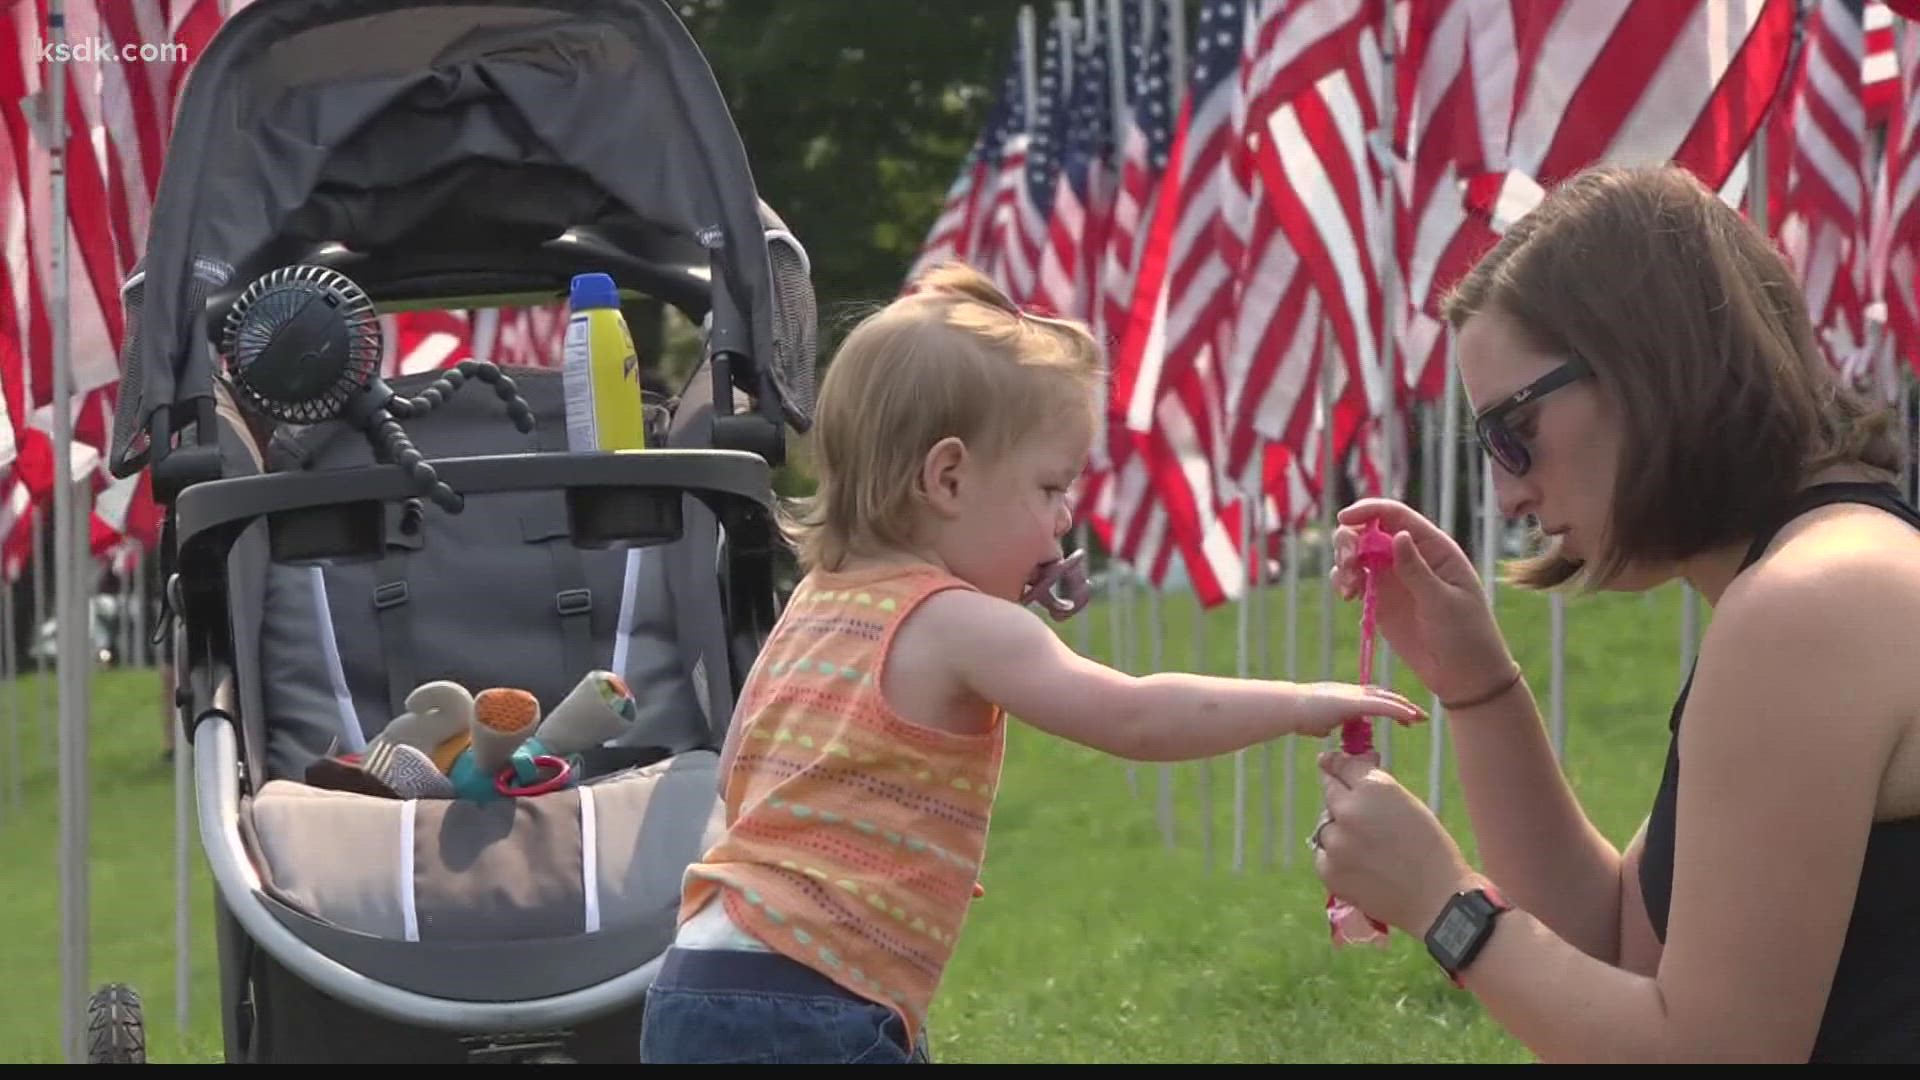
447, 153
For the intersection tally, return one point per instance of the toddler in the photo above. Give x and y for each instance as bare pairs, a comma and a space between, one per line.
860, 771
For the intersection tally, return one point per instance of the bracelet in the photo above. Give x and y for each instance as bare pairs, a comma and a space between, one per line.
1512, 681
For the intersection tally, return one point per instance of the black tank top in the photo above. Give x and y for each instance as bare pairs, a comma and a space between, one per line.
1873, 1009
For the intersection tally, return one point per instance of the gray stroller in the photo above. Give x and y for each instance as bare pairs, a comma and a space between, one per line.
337, 542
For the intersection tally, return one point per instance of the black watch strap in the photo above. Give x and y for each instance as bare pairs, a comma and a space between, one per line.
1463, 927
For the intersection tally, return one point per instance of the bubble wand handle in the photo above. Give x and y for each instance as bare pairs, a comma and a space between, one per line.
1348, 924
1376, 554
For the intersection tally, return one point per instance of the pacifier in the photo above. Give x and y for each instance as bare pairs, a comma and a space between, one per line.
1061, 587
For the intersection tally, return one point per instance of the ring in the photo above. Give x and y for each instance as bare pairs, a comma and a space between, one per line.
562, 777
1313, 840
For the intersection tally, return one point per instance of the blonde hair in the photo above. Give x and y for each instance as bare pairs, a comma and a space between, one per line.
953, 357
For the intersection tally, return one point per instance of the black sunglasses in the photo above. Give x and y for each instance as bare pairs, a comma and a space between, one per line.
1501, 443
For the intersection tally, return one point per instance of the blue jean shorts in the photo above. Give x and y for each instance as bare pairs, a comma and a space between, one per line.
715, 1006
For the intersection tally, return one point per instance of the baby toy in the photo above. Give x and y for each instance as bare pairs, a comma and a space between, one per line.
452, 744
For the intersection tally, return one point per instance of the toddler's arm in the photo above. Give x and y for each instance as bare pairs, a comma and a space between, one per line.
1005, 654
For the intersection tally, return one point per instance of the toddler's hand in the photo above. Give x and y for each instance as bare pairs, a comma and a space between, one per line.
1327, 705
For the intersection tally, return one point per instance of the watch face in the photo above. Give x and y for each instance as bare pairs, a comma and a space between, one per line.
1455, 931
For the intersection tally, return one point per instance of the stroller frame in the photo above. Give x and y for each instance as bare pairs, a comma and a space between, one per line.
702, 240
603, 488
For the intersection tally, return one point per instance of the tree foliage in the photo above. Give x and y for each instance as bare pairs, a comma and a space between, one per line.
855, 115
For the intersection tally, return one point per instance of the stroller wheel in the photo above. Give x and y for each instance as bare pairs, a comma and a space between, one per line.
116, 1034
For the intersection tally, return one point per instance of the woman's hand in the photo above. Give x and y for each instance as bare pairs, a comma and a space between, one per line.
1380, 849
1430, 605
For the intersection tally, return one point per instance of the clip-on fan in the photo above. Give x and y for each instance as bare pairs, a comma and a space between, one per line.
303, 345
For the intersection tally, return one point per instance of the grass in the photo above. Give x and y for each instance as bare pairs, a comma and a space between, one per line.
131, 877
1096, 941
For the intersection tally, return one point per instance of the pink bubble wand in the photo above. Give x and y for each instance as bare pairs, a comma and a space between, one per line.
1376, 555
1348, 924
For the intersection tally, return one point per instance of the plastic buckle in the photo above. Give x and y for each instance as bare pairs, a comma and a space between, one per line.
573, 602
392, 594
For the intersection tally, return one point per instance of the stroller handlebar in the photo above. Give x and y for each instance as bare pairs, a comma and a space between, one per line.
613, 498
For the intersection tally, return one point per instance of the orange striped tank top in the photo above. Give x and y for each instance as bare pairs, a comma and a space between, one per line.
854, 837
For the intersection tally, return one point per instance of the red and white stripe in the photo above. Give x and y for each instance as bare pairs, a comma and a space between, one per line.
1455, 100
1879, 70
1133, 200
1819, 167
1166, 372
92, 269
1635, 82
1894, 261
1275, 344
1325, 183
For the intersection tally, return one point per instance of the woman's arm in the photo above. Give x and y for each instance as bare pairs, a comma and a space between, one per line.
1534, 839
1533, 836
1639, 945
1795, 710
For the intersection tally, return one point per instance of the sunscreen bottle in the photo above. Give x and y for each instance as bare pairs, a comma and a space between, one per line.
602, 371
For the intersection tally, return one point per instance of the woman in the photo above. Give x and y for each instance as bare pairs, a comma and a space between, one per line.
1645, 377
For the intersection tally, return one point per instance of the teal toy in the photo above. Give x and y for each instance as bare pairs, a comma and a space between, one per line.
531, 770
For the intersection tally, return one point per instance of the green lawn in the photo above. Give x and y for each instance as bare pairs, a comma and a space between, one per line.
1096, 942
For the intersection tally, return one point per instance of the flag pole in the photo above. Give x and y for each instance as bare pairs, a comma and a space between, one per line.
1288, 784
1242, 667
10, 671
1263, 528
1156, 660
1117, 92
1389, 263
1204, 765
1449, 501
42, 604
1330, 359
70, 626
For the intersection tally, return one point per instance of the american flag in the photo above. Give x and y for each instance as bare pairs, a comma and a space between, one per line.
1083, 189
117, 118
1454, 109
1880, 73
1894, 262
957, 230
994, 230
1274, 346
1145, 142
1634, 82
1822, 129
1027, 227
92, 272
1167, 375
1326, 181
1818, 177
1258, 253
1117, 498
432, 340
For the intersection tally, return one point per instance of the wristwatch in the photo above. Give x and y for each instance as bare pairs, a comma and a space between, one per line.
1463, 926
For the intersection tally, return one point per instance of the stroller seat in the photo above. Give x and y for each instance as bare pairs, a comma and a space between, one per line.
456, 154
482, 903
